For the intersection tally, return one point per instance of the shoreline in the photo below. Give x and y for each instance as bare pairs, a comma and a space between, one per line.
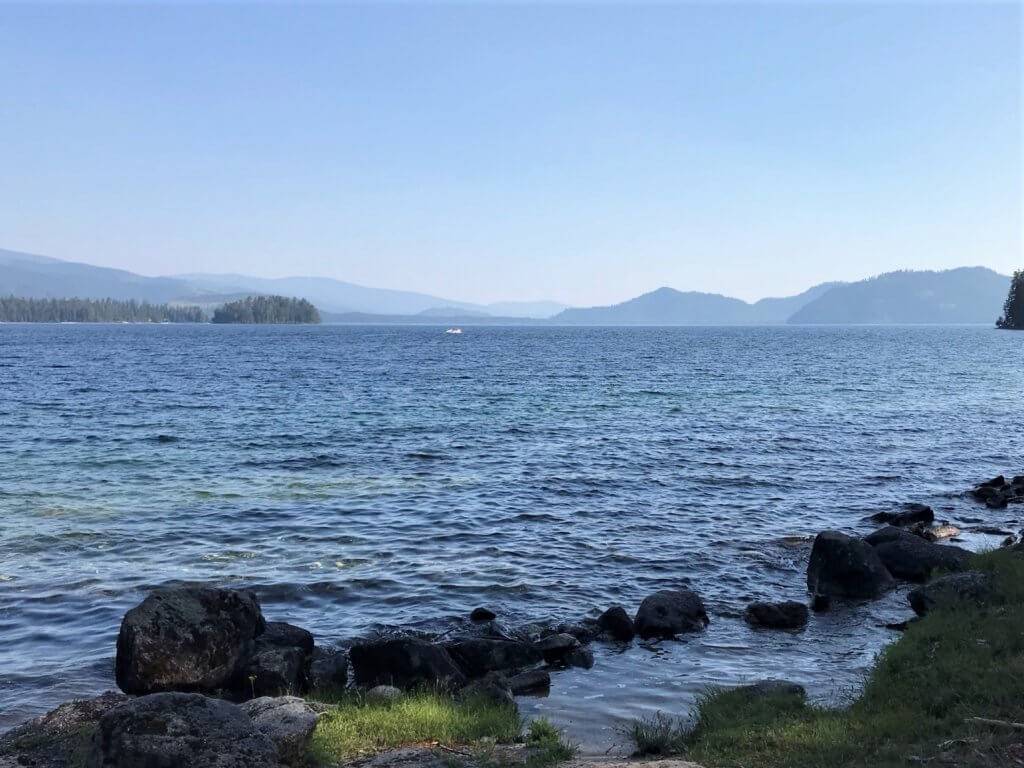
484, 654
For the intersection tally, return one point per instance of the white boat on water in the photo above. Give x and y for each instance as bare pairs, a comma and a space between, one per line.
454, 330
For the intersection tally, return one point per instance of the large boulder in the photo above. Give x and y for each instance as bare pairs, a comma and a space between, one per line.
189, 638
617, 624
914, 558
786, 615
180, 730
842, 566
404, 663
279, 665
533, 681
477, 657
946, 591
59, 739
670, 612
288, 721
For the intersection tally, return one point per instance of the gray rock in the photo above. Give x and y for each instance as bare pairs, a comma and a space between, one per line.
60, 739
405, 663
915, 559
188, 638
889, 533
288, 721
842, 566
786, 615
384, 694
328, 671
946, 591
669, 613
937, 532
580, 656
180, 730
617, 624
530, 682
480, 656
279, 665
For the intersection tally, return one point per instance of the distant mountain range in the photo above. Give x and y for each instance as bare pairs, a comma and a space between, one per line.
955, 296
32, 276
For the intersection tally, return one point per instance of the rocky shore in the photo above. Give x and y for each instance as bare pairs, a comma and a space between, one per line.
206, 680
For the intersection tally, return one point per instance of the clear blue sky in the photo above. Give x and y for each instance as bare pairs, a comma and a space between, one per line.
584, 154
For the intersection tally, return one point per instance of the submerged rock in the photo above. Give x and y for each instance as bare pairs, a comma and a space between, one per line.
180, 730
910, 514
842, 566
289, 723
669, 613
914, 559
946, 591
59, 739
786, 615
405, 663
190, 638
482, 614
479, 656
617, 624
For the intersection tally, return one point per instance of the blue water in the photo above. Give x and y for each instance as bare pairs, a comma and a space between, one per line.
366, 476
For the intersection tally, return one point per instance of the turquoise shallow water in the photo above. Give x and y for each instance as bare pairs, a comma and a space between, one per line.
359, 477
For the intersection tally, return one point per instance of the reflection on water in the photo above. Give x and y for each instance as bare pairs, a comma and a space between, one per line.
363, 477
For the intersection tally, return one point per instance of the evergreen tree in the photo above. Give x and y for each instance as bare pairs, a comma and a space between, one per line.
1013, 309
267, 309
21, 310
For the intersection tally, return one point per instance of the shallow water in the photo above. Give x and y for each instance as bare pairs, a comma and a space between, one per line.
358, 477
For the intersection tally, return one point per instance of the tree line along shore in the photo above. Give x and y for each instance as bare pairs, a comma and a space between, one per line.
249, 310
206, 680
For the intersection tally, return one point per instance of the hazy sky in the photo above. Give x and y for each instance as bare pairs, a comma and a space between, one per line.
585, 154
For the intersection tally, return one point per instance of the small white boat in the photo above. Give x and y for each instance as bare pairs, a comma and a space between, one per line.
454, 330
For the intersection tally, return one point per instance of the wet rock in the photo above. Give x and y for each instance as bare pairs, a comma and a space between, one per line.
287, 636
404, 663
180, 730
842, 566
60, 739
531, 681
910, 514
946, 591
915, 559
617, 624
482, 614
669, 613
821, 603
492, 690
555, 648
580, 656
889, 533
480, 656
585, 631
189, 638
328, 671
786, 615
280, 663
997, 492
383, 694
288, 721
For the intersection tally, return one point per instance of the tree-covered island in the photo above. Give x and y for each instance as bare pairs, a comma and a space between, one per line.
267, 309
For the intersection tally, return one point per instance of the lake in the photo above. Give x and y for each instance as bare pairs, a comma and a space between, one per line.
368, 477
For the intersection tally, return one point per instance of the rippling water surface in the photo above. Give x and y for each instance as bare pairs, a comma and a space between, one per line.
366, 476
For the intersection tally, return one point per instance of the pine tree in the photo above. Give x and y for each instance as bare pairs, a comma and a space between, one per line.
1013, 309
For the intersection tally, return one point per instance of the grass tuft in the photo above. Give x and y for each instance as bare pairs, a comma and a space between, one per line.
658, 734
548, 746
356, 726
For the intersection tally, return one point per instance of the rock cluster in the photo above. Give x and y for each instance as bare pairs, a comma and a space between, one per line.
998, 492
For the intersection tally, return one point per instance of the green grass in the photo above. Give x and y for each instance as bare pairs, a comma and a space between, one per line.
954, 664
547, 745
658, 735
356, 726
